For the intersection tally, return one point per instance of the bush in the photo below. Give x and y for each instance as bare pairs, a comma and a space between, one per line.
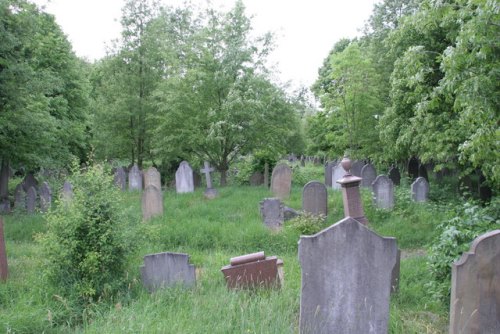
307, 223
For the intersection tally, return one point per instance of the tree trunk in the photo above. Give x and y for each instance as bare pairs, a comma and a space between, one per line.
4, 179
223, 177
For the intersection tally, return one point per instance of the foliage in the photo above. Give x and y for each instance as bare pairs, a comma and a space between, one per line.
306, 223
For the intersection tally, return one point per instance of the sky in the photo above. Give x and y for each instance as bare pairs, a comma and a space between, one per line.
306, 30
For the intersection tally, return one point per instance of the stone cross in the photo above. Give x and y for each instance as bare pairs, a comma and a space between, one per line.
207, 171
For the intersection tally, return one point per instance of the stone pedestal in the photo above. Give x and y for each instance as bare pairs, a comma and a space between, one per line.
353, 207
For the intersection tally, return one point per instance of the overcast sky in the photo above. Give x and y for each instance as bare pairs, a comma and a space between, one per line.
306, 30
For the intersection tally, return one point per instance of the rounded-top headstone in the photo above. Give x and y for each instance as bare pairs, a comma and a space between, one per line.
152, 178
281, 181
368, 174
315, 198
420, 190
184, 182
383, 192
135, 178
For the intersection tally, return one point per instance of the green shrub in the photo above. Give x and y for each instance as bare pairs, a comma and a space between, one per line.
307, 223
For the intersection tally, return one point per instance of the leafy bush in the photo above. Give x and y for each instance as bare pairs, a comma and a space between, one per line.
302, 175
455, 238
307, 223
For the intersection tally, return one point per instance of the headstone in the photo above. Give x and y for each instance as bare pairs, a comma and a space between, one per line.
413, 168
315, 198
121, 178
184, 178
152, 202
167, 269
253, 271
422, 172
31, 197
420, 190
19, 198
29, 181
346, 280
4, 270
395, 175
281, 181
383, 192
328, 173
256, 179
210, 192
266, 175
152, 178
67, 192
45, 197
368, 174
356, 167
475, 288
272, 213
338, 172
134, 178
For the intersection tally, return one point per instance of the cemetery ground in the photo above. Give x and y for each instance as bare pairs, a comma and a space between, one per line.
211, 232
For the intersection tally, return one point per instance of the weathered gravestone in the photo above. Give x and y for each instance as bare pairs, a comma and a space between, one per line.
475, 288
152, 202
253, 271
134, 178
19, 197
356, 168
395, 175
256, 179
420, 190
337, 173
272, 213
281, 181
368, 174
422, 172
328, 173
383, 192
4, 269
413, 168
67, 192
152, 178
346, 280
210, 192
31, 197
167, 269
121, 178
29, 181
184, 178
315, 198
45, 197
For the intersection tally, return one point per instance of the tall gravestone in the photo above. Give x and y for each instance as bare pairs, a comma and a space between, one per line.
395, 175
152, 202
31, 197
356, 167
4, 270
67, 192
121, 178
134, 178
475, 288
413, 165
328, 173
152, 178
346, 280
184, 178
29, 181
315, 198
272, 212
281, 181
167, 269
45, 197
368, 175
383, 192
420, 190
337, 173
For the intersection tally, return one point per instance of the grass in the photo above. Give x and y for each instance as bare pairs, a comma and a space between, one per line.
212, 232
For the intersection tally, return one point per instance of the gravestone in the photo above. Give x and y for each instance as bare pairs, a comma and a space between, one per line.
346, 280
19, 197
368, 175
420, 190
134, 178
315, 198
266, 175
152, 202
338, 172
356, 167
256, 179
281, 181
29, 181
413, 168
121, 178
328, 173
383, 192
475, 288
210, 192
184, 178
31, 197
4, 269
167, 269
45, 197
422, 172
395, 175
152, 178
67, 192
272, 213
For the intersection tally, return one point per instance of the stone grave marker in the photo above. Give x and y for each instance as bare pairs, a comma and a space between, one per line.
45, 197
31, 197
328, 173
210, 192
338, 172
29, 181
272, 213
184, 178
121, 178
152, 178
167, 269
256, 179
351, 196
422, 172
134, 178
475, 288
67, 192
383, 192
356, 167
4, 269
253, 271
281, 181
368, 174
346, 280
420, 190
413, 168
315, 198
19, 197
152, 202
395, 175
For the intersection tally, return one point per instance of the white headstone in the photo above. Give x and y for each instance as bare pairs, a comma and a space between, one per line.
135, 178
383, 192
184, 178
338, 172
420, 190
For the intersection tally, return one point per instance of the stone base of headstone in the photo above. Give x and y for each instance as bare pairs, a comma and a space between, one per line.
167, 269
210, 193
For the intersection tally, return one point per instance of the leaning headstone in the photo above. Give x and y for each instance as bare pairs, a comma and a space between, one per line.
256, 179
31, 197
19, 197
383, 192
4, 269
422, 172
29, 181
328, 172
121, 178
281, 181
315, 198
152, 202
395, 175
413, 168
167, 269
346, 280
368, 174
356, 167
152, 178
184, 178
210, 192
45, 197
475, 288
338, 172
134, 178
272, 213
420, 190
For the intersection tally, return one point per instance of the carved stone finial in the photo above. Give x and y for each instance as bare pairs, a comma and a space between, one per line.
346, 164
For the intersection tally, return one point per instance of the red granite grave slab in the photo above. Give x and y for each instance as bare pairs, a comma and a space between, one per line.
260, 273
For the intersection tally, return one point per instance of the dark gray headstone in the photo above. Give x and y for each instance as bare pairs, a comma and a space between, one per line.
256, 179
272, 213
281, 181
315, 198
31, 197
356, 167
338, 172
395, 175
383, 192
152, 202
328, 173
346, 280
152, 178
475, 288
30, 181
45, 197
420, 190
121, 178
19, 198
134, 178
413, 164
368, 174
184, 182
167, 269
